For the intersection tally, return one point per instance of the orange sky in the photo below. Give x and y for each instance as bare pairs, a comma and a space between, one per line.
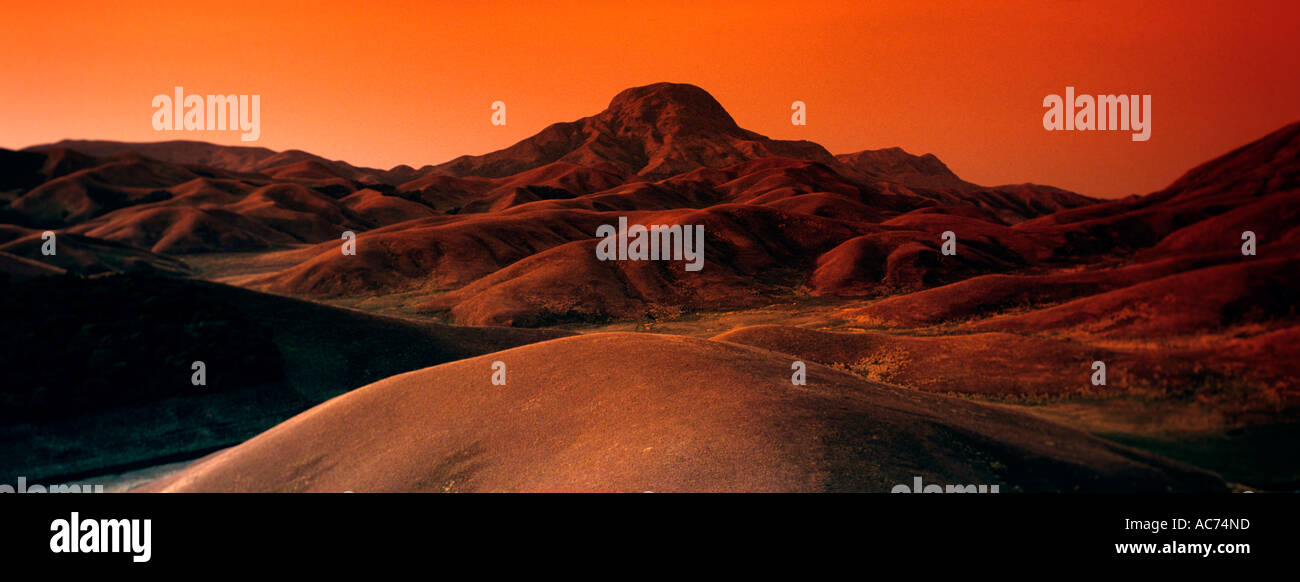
380, 83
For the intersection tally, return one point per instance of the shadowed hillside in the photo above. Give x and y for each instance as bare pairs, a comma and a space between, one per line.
98, 370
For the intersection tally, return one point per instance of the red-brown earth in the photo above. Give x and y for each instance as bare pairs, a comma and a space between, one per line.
1044, 282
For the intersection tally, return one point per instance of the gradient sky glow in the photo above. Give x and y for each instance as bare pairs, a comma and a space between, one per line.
383, 83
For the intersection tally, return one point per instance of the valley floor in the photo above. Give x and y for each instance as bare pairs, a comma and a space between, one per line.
1238, 428
1164, 396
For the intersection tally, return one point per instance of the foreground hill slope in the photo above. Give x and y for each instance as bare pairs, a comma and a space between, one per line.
647, 412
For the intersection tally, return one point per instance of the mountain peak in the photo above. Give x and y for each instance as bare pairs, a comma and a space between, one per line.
678, 106
654, 131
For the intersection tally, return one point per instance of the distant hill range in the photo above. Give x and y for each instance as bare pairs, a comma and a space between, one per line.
508, 237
